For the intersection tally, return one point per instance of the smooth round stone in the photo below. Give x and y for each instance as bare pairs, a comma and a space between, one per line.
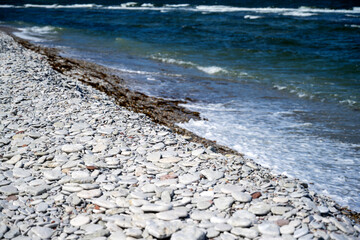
281, 199
42, 207
148, 188
269, 229
167, 215
323, 210
216, 220
211, 233
170, 160
14, 159
229, 189
104, 203
190, 232
21, 173
197, 152
91, 228
133, 232
156, 207
287, 229
80, 174
239, 222
158, 146
222, 227
70, 148
154, 157
201, 215
162, 229
280, 210
212, 175
42, 232
202, 205
245, 214
301, 232
241, 197
118, 235
89, 193
72, 188
245, 232
53, 175
99, 147
80, 220
260, 209
223, 203
227, 236
188, 178
9, 190
106, 130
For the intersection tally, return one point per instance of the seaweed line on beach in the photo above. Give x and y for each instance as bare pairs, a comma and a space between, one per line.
162, 111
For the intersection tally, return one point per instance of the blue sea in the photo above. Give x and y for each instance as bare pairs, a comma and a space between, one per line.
276, 80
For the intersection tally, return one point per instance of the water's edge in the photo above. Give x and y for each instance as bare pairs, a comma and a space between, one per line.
162, 111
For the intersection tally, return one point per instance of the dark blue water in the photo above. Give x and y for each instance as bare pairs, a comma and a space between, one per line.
278, 81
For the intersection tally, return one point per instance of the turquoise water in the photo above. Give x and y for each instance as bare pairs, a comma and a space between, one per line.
277, 81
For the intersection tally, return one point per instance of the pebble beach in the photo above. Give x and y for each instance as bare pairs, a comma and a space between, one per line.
75, 165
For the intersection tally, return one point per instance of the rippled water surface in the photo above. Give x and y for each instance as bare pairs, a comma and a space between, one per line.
277, 81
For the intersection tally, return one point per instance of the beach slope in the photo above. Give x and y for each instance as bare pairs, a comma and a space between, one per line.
76, 165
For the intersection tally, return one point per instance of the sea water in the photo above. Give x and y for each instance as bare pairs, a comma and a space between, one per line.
279, 82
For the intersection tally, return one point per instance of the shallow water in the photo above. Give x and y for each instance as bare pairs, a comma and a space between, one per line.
279, 82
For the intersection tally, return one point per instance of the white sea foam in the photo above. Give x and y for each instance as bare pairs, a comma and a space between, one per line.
209, 70
174, 61
36, 34
129, 4
252, 17
298, 14
302, 11
212, 69
278, 87
177, 5
6, 6
279, 141
90, 5
147, 5
355, 26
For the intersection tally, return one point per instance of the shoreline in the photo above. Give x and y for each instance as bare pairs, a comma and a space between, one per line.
162, 111
77, 70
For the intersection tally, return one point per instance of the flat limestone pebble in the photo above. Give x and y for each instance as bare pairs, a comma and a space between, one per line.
70, 148
231, 188
150, 207
269, 229
21, 173
278, 210
188, 178
104, 203
287, 229
201, 215
241, 196
260, 209
239, 222
190, 232
42, 232
80, 220
9, 190
89, 193
223, 203
245, 232
212, 175
53, 175
162, 229
301, 232
202, 205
